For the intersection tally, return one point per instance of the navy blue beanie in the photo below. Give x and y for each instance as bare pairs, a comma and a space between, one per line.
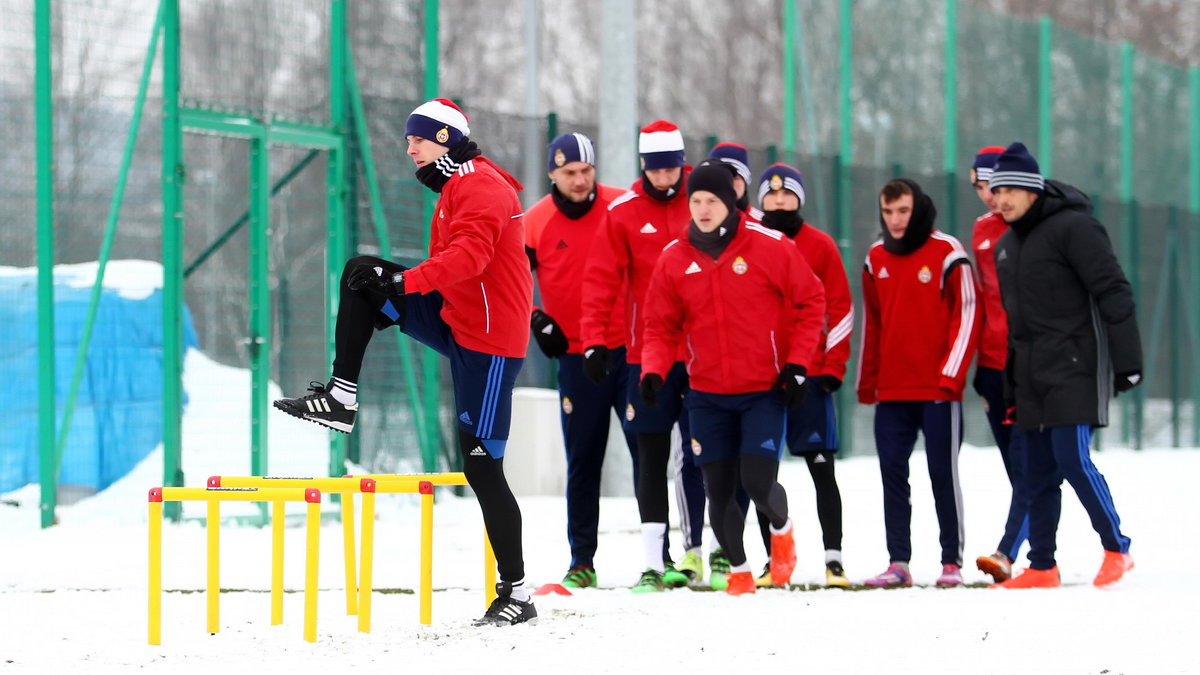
985, 159
567, 148
1016, 168
734, 155
780, 177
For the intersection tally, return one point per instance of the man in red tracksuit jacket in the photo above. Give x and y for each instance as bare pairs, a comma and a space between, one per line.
559, 231
920, 332
640, 223
812, 426
749, 311
469, 301
989, 370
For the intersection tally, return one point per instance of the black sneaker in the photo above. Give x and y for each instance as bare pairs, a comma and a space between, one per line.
505, 611
321, 407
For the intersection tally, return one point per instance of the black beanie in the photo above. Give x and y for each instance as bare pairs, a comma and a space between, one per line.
715, 176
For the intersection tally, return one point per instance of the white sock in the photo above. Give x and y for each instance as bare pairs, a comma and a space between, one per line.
787, 527
744, 567
519, 592
833, 555
652, 540
344, 391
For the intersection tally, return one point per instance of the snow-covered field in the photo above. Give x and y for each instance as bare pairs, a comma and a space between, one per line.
73, 597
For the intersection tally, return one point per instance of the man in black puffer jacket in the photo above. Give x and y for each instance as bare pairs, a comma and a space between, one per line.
1073, 343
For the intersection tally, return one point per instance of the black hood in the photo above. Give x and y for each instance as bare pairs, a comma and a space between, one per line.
1057, 197
920, 224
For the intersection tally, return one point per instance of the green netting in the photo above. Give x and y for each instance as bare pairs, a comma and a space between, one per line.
271, 60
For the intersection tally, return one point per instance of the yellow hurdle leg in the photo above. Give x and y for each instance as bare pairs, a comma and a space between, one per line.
155, 572
489, 571
277, 518
214, 566
348, 543
368, 554
310, 577
426, 553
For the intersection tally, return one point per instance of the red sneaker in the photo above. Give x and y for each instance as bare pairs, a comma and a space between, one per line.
740, 583
783, 556
1114, 567
1031, 578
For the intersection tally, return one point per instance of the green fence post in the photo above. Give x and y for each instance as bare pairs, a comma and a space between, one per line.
551, 134
710, 142
1194, 238
1132, 410
950, 145
258, 340
1174, 280
1045, 151
172, 253
789, 81
429, 365
44, 105
843, 162
335, 206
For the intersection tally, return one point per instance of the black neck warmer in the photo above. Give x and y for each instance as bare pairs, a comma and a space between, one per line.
920, 224
1025, 224
787, 222
662, 195
435, 175
714, 243
570, 209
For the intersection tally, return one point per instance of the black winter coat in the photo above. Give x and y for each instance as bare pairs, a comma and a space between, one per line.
1071, 321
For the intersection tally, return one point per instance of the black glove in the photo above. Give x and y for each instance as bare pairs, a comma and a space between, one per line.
1123, 383
550, 338
977, 382
825, 383
595, 363
649, 387
377, 279
793, 382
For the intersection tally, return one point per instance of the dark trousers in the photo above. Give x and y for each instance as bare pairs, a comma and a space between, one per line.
586, 409
989, 383
1050, 456
896, 427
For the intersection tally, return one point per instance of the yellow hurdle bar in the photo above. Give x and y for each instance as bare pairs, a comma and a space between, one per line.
422, 484
346, 487
214, 496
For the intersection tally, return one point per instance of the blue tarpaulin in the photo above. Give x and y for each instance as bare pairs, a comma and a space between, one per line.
117, 419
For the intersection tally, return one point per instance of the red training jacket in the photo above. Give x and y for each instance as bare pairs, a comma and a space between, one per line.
825, 259
993, 339
623, 255
728, 311
477, 261
920, 323
562, 247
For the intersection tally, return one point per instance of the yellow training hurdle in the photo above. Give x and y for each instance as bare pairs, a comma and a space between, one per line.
368, 486
214, 497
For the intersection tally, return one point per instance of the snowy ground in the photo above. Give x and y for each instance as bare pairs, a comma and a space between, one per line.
73, 597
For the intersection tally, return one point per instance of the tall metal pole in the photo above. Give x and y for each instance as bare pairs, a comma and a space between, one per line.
335, 204
950, 145
1045, 149
259, 334
429, 365
1194, 236
789, 81
843, 164
1132, 411
533, 173
618, 80
44, 112
172, 258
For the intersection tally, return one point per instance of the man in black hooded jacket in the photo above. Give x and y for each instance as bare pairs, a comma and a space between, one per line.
1073, 343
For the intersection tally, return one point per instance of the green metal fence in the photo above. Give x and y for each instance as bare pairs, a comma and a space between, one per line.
872, 89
